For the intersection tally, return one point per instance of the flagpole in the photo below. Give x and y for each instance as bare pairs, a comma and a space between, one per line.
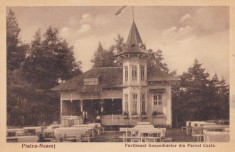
133, 15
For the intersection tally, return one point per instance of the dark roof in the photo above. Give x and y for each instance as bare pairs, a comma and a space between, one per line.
134, 42
158, 75
134, 36
109, 77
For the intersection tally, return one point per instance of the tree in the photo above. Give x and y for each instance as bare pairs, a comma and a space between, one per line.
155, 61
31, 71
50, 60
120, 46
197, 97
15, 48
103, 58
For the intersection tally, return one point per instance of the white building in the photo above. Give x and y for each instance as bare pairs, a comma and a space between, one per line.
122, 96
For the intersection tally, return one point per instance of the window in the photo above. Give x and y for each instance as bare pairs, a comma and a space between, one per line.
143, 103
91, 81
126, 73
134, 103
134, 72
71, 108
126, 102
142, 72
157, 99
157, 103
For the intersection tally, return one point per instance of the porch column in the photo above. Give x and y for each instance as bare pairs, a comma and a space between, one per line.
81, 106
61, 107
102, 106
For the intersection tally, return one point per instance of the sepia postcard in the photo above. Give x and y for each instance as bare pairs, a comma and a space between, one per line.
117, 75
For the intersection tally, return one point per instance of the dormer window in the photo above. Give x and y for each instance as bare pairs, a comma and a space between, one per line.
91, 81
142, 46
133, 45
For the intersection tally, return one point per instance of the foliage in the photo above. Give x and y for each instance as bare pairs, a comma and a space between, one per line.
155, 113
143, 113
125, 113
16, 50
134, 113
120, 46
50, 60
155, 61
103, 58
31, 71
197, 97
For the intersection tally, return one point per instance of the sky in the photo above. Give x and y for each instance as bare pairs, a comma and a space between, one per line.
182, 33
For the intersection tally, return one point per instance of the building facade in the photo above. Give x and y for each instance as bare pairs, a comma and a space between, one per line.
119, 96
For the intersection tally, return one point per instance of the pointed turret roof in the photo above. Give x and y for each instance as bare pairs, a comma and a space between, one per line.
134, 43
134, 36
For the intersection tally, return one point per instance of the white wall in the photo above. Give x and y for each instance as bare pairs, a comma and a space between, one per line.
166, 98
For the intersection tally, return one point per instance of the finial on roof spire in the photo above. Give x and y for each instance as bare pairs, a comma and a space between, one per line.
133, 15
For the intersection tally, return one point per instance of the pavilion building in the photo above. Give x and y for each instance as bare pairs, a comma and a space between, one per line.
121, 96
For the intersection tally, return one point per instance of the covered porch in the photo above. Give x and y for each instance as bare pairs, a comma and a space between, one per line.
80, 108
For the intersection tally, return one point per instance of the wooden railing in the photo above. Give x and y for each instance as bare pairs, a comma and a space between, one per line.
118, 120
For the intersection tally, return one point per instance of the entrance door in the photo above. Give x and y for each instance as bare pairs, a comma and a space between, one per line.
112, 106
92, 108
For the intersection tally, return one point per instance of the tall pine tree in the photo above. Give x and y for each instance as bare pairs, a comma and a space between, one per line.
50, 60
16, 50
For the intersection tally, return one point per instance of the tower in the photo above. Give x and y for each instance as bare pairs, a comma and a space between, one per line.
134, 59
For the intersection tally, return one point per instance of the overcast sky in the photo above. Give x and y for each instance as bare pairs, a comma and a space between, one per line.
182, 33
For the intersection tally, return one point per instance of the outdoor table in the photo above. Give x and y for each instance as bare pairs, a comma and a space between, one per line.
15, 132
89, 128
214, 127
12, 139
48, 134
151, 133
27, 138
32, 130
143, 123
139, 139
144, 126
69, 131
198, 137
215, 136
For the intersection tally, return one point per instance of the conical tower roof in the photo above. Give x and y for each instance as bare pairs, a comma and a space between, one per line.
134, 42
134, 36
